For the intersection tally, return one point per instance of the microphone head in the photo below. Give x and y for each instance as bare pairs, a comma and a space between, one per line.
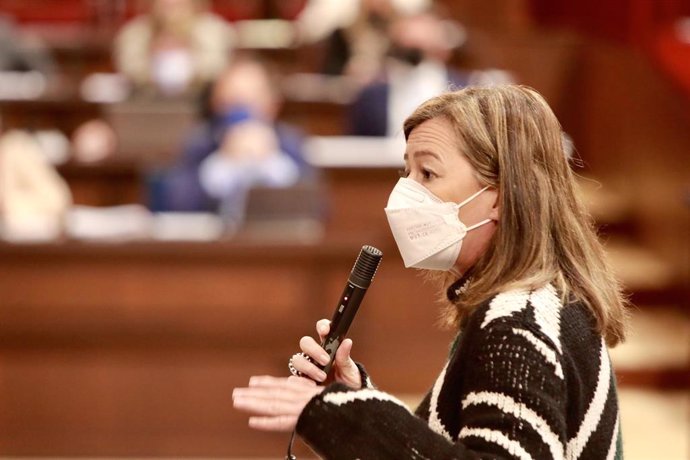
365, 266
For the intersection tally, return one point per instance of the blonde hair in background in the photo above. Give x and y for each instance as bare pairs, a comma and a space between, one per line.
545, 235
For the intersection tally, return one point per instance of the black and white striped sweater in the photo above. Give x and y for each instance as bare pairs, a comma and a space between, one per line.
528, 378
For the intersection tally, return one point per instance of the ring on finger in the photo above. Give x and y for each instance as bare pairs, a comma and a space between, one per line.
291, 365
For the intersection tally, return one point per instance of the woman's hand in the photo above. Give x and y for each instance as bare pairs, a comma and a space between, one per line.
345, 370
275, 402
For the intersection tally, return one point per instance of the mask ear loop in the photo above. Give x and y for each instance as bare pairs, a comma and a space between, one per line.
478, 224
472, 197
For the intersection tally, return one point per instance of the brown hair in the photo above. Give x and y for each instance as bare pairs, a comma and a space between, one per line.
545, 235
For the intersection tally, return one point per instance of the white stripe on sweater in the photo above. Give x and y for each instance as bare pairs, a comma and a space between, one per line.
547, 313
508, 405
596, 407
505, 304
345, 397
368, 383
542, 348
614, 441
434, 419
514, 448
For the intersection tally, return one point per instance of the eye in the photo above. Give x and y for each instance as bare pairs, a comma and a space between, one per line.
427, 175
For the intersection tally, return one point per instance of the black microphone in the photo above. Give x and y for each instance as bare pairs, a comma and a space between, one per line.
357, 284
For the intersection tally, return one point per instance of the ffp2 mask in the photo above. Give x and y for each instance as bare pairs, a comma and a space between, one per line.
427, 230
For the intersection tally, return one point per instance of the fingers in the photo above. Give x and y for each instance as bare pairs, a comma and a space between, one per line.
275, 403
267, 403
308, 368
267, 395
314, 350
280, 423
294, 380
323, 327
279, 382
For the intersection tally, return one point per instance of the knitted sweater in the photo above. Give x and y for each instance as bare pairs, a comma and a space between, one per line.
528, 378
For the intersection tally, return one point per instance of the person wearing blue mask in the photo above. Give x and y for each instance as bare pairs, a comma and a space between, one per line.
489, 207
243, 92
248, 156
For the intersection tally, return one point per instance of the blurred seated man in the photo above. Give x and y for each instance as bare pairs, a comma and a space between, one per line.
177, 47
249, 155
244, 106
415, 71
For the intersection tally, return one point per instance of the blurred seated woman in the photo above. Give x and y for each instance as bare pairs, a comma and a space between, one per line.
176, 47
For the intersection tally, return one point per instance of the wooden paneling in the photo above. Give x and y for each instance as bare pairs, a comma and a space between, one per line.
630, 125
134, 349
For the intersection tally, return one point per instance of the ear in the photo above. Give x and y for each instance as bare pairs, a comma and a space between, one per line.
495, 213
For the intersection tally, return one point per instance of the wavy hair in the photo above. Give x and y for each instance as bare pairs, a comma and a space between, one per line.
545, 235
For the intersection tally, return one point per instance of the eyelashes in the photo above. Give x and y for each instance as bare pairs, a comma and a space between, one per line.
426, 174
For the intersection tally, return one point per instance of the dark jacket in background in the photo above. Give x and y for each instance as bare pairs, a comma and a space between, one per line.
368, 114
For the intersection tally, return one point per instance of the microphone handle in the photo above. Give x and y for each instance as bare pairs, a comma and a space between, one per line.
342, 319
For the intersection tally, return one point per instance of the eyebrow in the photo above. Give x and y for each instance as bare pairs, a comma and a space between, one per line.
423, 153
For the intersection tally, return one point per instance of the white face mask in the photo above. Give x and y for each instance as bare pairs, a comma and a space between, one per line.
427, 230
172, 70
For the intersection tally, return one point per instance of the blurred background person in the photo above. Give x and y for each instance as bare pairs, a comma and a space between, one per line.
249, 156
416, 69
356, 32
33, 196
20, 52
243, 95
176, 46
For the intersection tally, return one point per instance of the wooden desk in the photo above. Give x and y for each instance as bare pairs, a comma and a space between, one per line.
64, 112
117, 350
109, 183
356, 196
316, 118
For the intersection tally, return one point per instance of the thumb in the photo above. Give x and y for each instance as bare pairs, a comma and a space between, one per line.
342, 356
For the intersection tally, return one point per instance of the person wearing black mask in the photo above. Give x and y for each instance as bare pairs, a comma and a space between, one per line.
416, 69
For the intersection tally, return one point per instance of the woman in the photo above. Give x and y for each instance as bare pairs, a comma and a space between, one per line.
488, 201
177, 46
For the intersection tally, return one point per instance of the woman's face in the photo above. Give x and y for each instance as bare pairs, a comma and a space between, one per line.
434, 158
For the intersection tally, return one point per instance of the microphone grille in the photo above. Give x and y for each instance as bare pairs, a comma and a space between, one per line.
365, 266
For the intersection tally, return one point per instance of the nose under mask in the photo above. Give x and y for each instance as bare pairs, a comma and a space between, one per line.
427, 230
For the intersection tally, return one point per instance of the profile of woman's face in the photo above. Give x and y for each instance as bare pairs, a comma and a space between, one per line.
434, 158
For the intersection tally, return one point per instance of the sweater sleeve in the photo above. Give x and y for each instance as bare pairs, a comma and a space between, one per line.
341, 423
510, 407
365, 379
